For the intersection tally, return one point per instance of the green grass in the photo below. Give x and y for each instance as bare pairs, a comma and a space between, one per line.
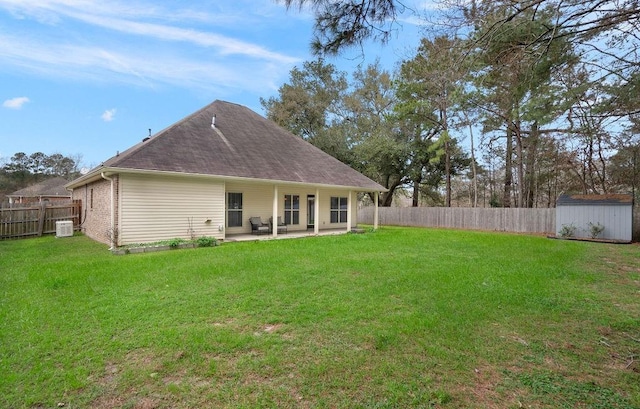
396, 318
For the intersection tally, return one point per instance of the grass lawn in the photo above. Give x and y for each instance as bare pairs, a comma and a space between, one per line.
398, 318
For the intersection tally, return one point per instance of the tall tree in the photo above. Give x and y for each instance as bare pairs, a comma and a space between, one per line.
430, 86
523, 48
605, 36
351, 122
19, 169
379, 146
311, 104
22, 170
348, 23
517, 93
625, 167
341, 24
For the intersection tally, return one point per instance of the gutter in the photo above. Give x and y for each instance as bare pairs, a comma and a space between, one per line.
114, 170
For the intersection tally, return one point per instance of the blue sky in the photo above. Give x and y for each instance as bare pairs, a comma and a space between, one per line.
89, 78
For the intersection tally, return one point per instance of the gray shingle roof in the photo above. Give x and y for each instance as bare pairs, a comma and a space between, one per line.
242, 144
49, 187
591, 200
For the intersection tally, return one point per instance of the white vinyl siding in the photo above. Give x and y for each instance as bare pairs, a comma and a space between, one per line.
154, 208
616, 219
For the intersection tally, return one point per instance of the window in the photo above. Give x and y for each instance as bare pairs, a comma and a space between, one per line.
338, 210
91, 201
291, 209
234, 209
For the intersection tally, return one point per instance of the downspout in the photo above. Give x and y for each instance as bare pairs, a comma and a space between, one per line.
375, 211
349, 216
274, 212
113, 214
316, 212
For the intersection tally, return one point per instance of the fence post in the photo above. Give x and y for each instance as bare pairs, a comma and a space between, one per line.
41, 214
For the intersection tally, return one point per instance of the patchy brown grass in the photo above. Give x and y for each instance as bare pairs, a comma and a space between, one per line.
401, 318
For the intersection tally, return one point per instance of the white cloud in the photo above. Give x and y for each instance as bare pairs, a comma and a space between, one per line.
144, 44
221, 44
146, 68
109, 115
432, 5
15, 103
127, 19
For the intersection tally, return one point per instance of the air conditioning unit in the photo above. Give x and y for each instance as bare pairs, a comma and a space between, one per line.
64, 228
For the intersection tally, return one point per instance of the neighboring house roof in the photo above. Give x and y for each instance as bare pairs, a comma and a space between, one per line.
229, 140
50, 187
591, 200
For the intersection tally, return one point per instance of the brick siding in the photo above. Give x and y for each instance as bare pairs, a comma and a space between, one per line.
96, 209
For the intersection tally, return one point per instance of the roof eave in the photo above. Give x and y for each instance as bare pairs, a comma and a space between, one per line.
97, 173
91, 176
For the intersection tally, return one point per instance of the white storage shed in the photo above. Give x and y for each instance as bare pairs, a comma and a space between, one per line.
582, 216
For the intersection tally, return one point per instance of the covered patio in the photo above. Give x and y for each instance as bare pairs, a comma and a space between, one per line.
230, 238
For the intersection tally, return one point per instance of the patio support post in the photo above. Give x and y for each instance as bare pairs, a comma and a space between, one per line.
349, 212
274, 220
375, 213
316, 213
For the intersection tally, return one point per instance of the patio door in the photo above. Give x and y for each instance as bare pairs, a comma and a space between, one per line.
311, 211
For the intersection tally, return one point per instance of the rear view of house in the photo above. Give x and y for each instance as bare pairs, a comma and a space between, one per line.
209, 173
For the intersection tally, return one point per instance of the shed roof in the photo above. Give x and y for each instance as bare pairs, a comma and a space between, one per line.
595, 200
49, 187
241, 144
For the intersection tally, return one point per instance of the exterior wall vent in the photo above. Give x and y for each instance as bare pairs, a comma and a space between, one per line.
64, 228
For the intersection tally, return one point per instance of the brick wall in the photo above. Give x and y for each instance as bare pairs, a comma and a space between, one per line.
96, 209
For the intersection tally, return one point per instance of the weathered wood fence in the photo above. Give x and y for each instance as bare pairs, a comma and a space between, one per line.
517, 220
37, 219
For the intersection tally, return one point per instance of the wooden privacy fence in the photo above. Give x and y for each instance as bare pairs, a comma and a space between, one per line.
517, 220
37, 219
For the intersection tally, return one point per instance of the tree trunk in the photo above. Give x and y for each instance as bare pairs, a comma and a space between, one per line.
520, 164
386, 198
474, 180
508, 165
447, 155
602, 171
415, 202
530, 175
447, 170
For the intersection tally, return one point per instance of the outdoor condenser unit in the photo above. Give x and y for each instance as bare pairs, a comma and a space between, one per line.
64, 228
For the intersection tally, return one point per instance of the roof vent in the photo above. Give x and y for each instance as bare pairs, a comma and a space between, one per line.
148, 137
213, 121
